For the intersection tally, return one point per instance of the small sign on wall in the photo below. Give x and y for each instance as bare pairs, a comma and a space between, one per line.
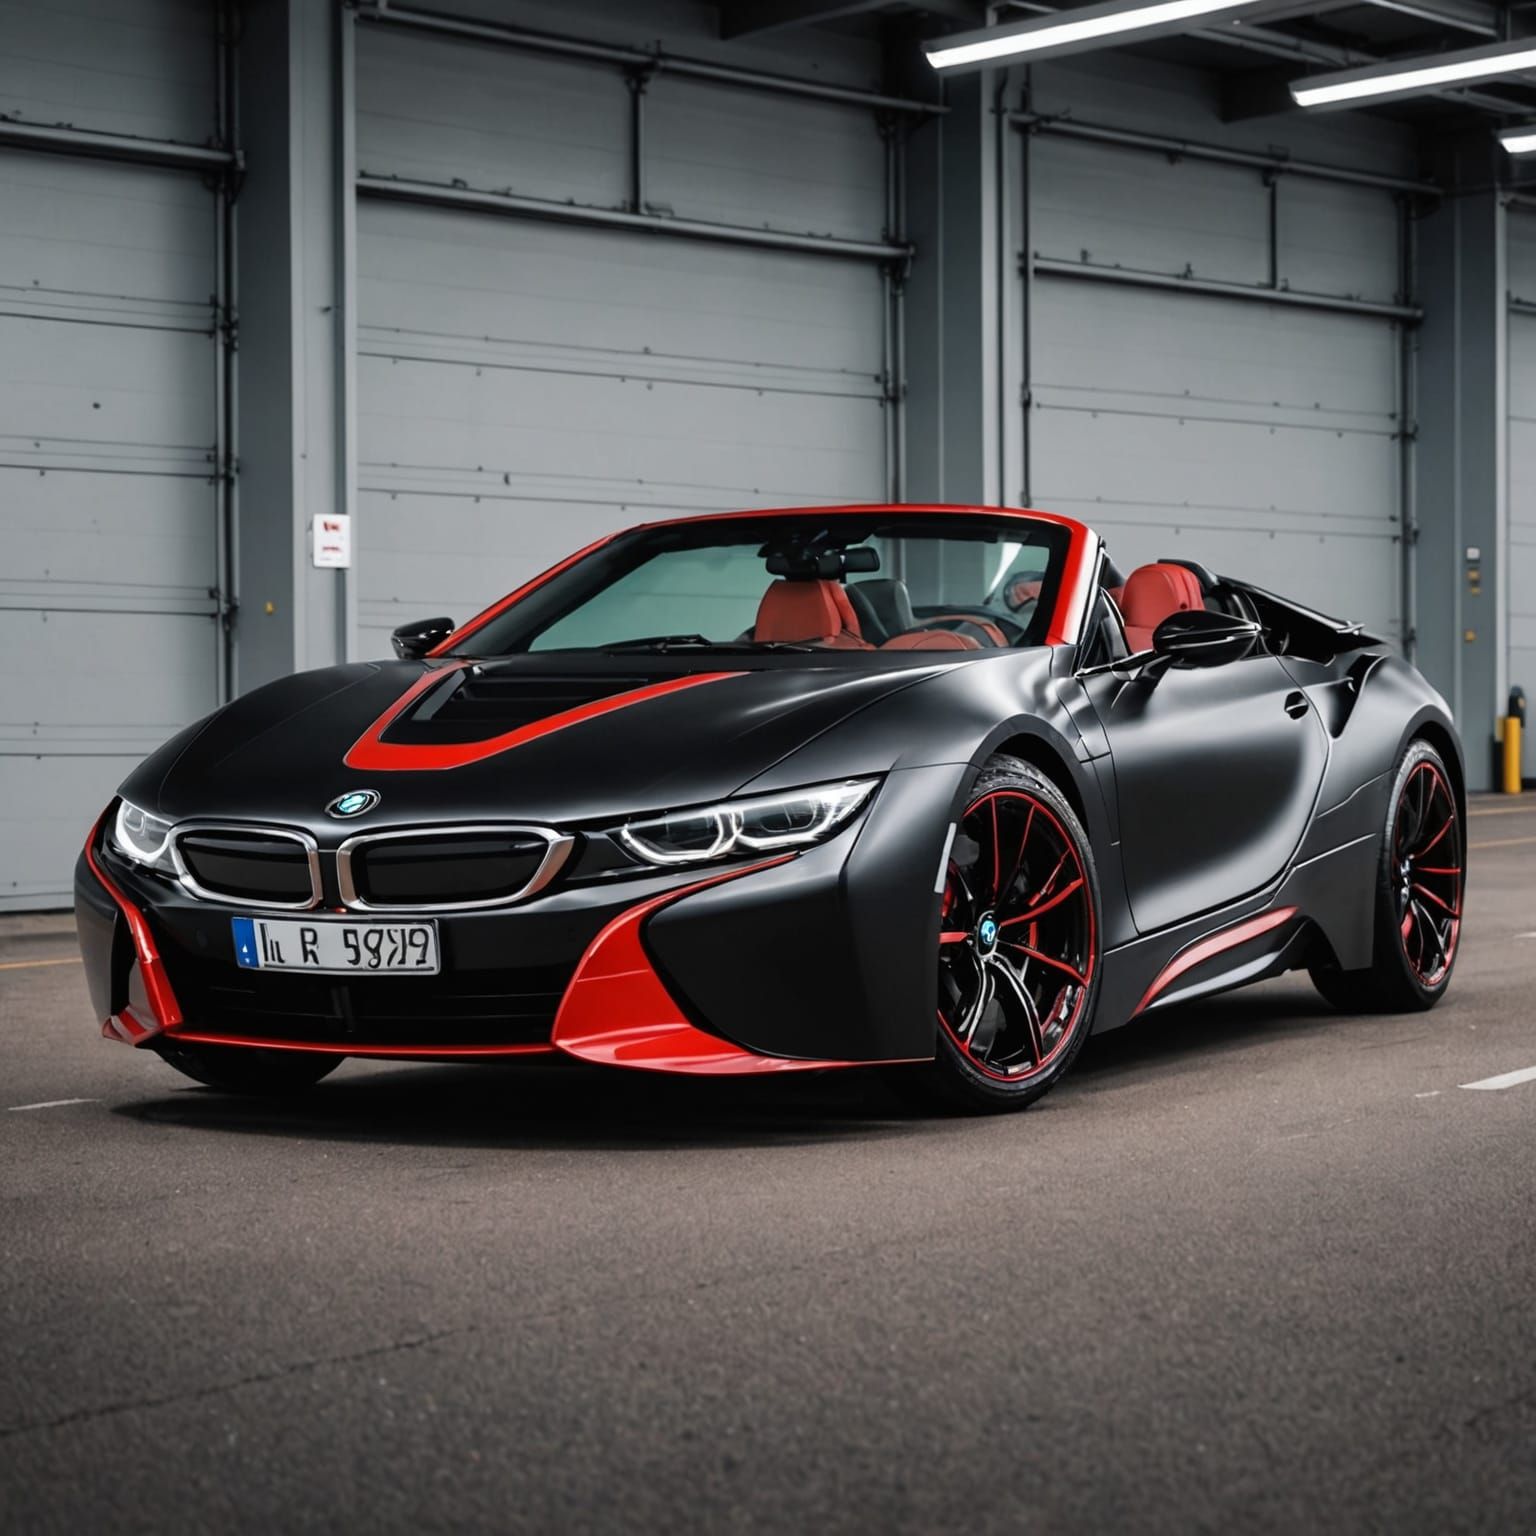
331, 541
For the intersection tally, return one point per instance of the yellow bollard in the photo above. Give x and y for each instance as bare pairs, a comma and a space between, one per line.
1511, 754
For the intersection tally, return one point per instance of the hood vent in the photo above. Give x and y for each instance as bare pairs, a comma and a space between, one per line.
472, 705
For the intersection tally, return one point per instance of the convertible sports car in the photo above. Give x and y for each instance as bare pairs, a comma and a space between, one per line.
755, 792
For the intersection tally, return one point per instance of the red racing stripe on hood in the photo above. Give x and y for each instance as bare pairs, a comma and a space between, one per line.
371, 754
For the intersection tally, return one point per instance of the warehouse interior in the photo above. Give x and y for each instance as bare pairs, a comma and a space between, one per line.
497, 277
321, 317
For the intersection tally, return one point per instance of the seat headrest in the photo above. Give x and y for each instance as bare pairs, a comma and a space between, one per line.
798, 612
887, 602
1152, 592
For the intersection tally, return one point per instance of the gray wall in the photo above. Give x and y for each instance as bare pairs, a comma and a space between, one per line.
111, 517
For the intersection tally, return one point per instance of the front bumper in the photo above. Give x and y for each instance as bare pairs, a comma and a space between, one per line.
822, 958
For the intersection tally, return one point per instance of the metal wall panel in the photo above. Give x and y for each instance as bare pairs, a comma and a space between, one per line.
108, 514
1256, 437
772, 162
1521, 554
525, 386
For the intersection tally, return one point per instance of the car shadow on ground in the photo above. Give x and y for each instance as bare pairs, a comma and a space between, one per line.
552, 1105
1248, 1020
567, 1105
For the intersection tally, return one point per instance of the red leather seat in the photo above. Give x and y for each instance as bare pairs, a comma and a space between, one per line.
809, 613
931, 640
1150, 594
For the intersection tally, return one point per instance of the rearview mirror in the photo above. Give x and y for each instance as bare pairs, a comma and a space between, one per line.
1200, 638
413, 641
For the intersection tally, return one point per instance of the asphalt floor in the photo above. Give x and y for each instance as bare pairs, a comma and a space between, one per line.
1253, 1267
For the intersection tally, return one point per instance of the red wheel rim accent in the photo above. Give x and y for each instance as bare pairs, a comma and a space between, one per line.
1017, 940
1428, 869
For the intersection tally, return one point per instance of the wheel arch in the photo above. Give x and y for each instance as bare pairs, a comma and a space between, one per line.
1443, 741
1043, 757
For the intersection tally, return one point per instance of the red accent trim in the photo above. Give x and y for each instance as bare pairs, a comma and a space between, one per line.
464, 631
1071, 601
370, 754
157, 985
1202, 950
1076, 585
128, 1027
346, 1048
617, 1011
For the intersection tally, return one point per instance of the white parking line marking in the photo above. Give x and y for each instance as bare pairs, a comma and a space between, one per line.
1503, 842
1506, 1079
16, 1109
29, 965
1434, 1093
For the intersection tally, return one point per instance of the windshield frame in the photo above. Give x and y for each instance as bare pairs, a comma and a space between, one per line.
1057, 620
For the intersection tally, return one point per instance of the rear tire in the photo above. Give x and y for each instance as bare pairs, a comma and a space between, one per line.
249, 1070
1018, 947
1418, 897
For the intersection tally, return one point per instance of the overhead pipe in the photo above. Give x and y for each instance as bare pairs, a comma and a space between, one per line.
657, 61
1130, 277
509, 205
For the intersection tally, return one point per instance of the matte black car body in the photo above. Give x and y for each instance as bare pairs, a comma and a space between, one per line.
1234, 812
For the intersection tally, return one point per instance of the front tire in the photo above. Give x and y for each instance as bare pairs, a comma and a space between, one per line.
1418, 897
1018, 944
247, 1069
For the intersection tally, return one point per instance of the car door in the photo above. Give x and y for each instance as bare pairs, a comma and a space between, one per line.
1216, 771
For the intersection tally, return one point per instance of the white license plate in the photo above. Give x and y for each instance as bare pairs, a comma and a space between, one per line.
336, 947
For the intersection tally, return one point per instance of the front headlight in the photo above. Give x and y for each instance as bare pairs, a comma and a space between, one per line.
764, 823
144, 838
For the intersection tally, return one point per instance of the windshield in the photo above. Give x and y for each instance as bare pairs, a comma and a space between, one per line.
846, 582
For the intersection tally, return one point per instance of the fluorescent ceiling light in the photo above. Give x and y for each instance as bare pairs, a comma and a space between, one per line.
1413, 77
1074, 30
1519, 141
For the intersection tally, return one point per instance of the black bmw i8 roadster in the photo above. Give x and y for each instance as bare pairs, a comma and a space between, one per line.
770, 791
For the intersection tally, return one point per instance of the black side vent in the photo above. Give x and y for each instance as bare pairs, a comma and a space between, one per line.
475, 705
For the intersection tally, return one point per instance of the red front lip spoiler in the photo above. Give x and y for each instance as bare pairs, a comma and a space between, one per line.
616, 1010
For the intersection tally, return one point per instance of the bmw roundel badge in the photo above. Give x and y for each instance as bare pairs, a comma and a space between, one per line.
353, 803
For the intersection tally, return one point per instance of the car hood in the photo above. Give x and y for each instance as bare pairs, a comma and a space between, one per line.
538, 738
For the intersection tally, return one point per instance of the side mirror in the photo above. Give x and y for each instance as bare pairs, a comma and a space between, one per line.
1200, 638
413, 641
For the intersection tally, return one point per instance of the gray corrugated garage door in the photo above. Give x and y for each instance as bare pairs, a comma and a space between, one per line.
1259, 438
108, 513
524, 386
1521, 575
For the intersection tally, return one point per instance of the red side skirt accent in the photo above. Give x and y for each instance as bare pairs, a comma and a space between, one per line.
371, 754
617, 1011
127, 1025
1202, 950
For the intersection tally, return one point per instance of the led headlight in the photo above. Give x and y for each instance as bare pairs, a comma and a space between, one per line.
144, 838
763, 823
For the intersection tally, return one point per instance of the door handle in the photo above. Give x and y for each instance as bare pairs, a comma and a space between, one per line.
1296, 705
